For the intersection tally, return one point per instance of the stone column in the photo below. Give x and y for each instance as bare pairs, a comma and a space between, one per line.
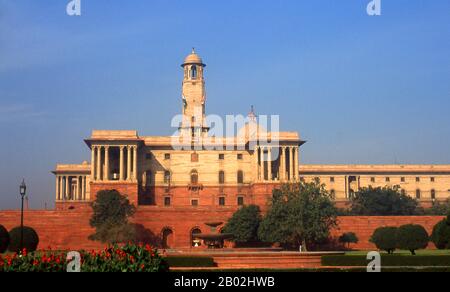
57, 188
77, 193
106, 174
262, 178
292, 154
283, 163
128, 163
66, 195
256, 162
269, 164
121, 170
61, 190
99, 163
135, 163
296, 162
93, 174
83, 188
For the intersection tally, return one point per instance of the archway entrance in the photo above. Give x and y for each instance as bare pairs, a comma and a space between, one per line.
167, 238
195, 242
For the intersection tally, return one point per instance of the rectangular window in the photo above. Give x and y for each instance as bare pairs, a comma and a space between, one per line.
417, 179
372, 179
221, 156
432, 179
167, 156
402, 179
240, 201
167, 201
332, 179
194, 203
240, 156
388, 179
222, 201
194, 157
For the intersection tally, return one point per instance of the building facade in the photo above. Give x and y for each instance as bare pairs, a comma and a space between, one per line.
194, 171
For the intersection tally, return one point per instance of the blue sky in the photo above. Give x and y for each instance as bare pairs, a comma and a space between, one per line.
360, 89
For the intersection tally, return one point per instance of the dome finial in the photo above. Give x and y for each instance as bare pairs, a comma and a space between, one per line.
193, 50
252, 114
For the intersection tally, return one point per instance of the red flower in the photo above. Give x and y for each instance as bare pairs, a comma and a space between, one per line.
24, 252
142, 266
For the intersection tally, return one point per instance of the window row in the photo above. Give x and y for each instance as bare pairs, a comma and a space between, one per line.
195, 156
374, 179
195, 178
195, 202
418, 194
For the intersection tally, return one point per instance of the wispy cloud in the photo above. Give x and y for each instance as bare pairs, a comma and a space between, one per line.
16, 112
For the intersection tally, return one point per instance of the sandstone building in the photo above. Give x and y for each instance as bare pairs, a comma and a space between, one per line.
209, 177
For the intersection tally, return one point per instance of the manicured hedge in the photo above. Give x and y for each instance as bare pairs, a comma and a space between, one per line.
4, 239
190, 262
388, 261
30, 239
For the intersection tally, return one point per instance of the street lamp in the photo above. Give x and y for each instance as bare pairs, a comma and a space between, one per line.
23, 191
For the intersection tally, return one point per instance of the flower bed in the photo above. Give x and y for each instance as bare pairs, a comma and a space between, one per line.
127, 258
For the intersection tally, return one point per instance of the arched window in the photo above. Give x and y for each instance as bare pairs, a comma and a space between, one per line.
240, 177
221, 177
167, 177
433, 194
194, 177
194, 72
195, 242
167, 238
418, 194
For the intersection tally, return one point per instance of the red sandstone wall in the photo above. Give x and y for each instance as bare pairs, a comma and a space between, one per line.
70, 229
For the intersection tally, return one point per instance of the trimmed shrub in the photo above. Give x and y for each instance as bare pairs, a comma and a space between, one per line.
387, 261
244, 224
4, 239
348, 238
30, 239
190, 262
412, 237
441, 235
384, 238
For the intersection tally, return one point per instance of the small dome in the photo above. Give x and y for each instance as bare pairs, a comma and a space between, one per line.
193, 58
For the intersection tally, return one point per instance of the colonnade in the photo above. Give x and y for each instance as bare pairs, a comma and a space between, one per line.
101, 163
72, 188
284, 158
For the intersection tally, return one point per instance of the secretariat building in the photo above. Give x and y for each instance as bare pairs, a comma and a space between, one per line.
166, 174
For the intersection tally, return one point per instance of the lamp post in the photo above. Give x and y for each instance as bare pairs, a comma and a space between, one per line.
23, 190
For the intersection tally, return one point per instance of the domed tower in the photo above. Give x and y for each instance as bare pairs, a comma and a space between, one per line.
194, 97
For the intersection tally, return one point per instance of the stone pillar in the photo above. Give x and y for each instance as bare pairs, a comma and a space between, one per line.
269, 164
61, 190
93, 174
122, 170
291, 162
83, 188
99, 163
262, 178
77, 193
283, 163
128, 163
256, 162
106, 174
296, 159
66, 195
57, 188
135, 164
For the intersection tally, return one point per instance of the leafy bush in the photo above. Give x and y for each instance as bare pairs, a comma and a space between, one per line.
190, 262
30, 239
110, 218
441, 234
128, 258
4, 239
387, 201
244, 224
387, 261
385, 238
439, 208
412, 237
348, 238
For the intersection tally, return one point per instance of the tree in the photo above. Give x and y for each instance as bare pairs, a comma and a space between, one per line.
348, 238
4, 239
412, 237
439, 208
244, 224
387, 201
441, 234
300, 214
110, 218
385, 238
30, 239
